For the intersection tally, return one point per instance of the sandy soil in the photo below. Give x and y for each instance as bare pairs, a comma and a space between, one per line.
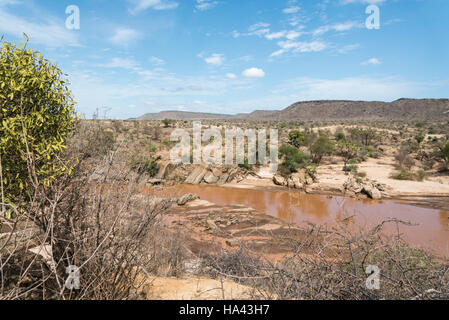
380, 170
195, 288
433, 192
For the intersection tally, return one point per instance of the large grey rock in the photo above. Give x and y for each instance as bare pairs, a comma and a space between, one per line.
278, 180
187, 198
196, 176
210, 178
223, 179
297, 183
372, 192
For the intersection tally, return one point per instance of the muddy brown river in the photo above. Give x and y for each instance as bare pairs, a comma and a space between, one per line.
430, 229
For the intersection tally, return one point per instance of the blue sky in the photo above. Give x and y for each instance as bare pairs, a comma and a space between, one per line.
232, 56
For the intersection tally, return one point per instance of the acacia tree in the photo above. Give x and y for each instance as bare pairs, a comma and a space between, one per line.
37, 115
321, 147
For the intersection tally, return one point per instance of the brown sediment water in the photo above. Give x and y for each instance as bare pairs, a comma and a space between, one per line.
430, 229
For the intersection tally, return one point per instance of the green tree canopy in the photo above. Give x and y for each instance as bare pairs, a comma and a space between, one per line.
321, 147
293, 158
37, 115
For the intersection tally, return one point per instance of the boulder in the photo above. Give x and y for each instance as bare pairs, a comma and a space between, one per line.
223, 179
351, 185
196, 176
217, 172
297, 183
278, 180
301, 175
232, 174
372, 192
211, 225
309, 181
165, 169
210, 178
187, 198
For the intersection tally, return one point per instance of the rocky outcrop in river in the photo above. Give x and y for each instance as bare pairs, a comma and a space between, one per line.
372, 189
299, 180
214, 175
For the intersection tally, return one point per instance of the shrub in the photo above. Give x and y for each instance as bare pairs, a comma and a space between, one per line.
321, 147
36, 117
351, 168
166, 123
149, 167
293, 158
297, 138
446, 153
421, 175
404, 174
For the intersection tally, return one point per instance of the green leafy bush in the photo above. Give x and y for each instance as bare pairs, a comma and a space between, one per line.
297, 138
404, 174
149, 167
36, 117
321, 147
293, 158
446, 153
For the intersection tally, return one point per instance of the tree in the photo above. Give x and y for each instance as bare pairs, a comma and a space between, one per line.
348, 151
446, 153
363, 136
37, 115
166, 122
321, 147
297, 138
293, 158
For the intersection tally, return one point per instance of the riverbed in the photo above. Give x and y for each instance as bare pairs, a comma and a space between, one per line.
429, 228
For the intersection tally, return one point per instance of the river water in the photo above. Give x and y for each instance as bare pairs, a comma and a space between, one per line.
430, 228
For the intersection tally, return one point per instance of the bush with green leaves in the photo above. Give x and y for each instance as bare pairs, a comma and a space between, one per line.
149, 167
297, 138
445, 152
294, 158
36, 117
321, 147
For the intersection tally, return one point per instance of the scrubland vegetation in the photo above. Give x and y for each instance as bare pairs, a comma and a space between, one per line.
72, 195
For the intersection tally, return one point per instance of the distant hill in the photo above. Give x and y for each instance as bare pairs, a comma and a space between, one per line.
407, 109
181, 115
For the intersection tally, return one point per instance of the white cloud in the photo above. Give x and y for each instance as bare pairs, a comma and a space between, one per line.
203, 5
348, 48
124, 63
253, 73
215, 59
339, 27
372, 61
291, 10
231, 76
157, 61
299, 47
260, 25
124, 36
141, 5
